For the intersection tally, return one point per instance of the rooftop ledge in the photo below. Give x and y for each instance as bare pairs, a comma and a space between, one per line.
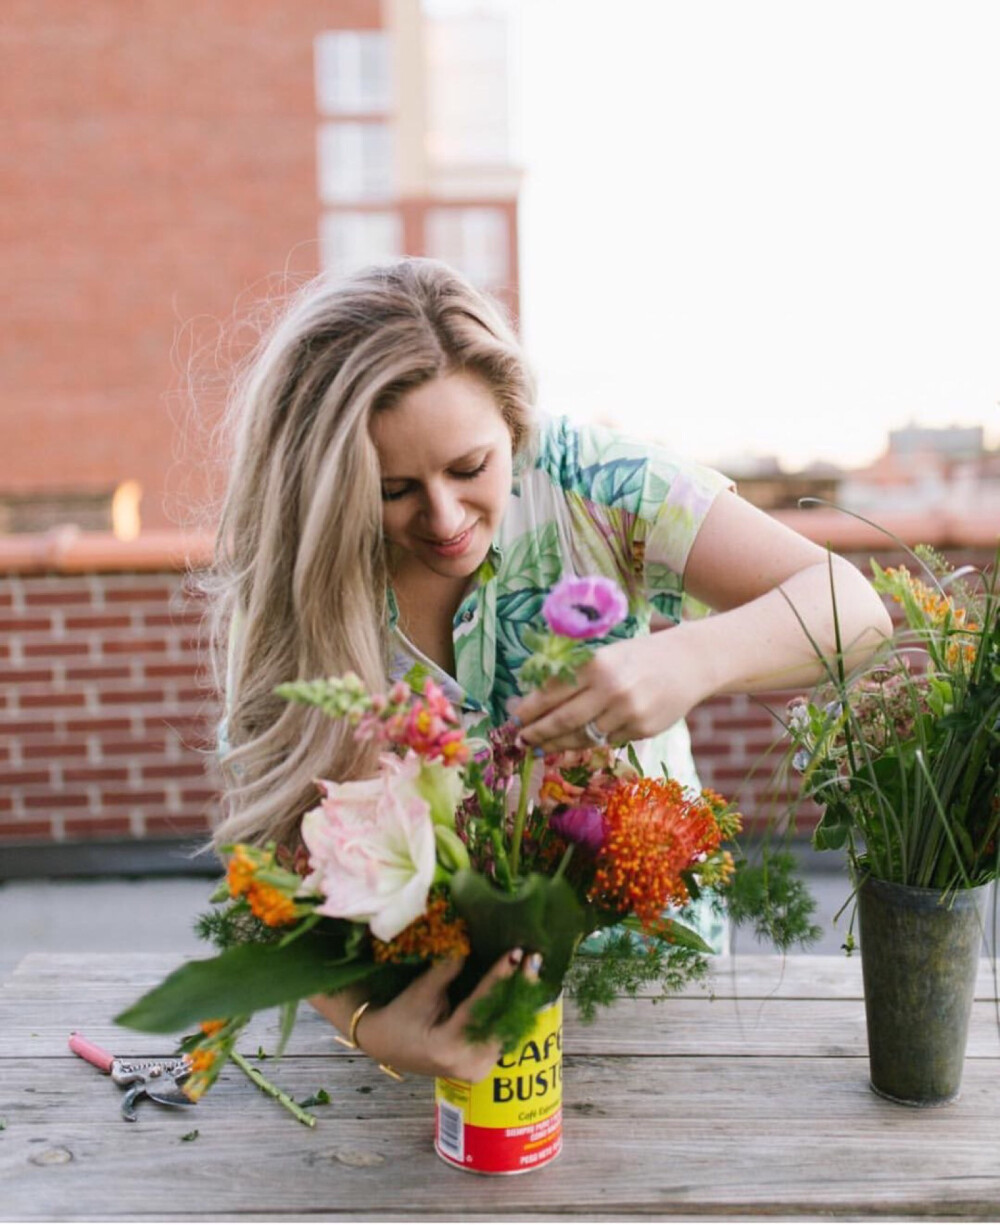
68, 550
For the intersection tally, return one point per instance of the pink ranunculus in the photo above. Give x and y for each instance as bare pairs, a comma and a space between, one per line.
371, 848
583, 825
584, 607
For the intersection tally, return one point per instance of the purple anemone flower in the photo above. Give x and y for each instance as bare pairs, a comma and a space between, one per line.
583, 825
584, 607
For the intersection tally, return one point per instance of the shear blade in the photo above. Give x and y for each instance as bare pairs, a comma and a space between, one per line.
169, 1097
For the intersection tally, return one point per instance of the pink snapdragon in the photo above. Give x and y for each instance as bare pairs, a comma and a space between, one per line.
427, 724
584, 607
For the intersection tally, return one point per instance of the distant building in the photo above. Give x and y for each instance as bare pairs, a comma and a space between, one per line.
167, 164
925, 470
764, 483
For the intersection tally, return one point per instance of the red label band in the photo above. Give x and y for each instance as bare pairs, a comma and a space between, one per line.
498, 1150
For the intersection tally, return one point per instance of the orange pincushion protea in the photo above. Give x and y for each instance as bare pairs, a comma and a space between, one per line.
435, 934
654, 833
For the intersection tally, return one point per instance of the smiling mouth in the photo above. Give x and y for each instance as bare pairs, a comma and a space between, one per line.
446, 544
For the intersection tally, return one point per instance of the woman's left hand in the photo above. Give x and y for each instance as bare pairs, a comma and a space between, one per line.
629, 690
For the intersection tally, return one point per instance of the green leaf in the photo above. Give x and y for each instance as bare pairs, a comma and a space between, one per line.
677, 934
191, 1135
617, 482
319, 1098
244, 980
633, 758
542, 916
289, 1011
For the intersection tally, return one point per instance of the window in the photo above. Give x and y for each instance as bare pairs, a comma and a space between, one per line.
355, 162
350, 240
474, 240
352, 72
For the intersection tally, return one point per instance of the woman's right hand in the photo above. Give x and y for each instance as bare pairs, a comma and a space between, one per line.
419, 1032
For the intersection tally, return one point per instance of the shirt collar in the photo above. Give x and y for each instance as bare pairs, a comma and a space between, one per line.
489, 567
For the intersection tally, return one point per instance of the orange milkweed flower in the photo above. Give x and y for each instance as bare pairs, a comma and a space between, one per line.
240, 872
436, 934
270, 905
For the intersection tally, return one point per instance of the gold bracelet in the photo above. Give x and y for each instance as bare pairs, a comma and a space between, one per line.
351, 1041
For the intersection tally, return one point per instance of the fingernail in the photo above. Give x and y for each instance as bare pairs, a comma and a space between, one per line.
533, 965
537, 751
515, 956
516, 721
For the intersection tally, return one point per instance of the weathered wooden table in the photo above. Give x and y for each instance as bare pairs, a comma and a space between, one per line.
747, 1096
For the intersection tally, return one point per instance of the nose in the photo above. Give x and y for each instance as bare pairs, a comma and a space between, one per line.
444, 515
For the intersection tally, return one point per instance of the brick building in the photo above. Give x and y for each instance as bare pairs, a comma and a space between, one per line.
166, 163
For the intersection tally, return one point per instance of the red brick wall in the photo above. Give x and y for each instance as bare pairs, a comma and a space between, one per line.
107, 714
158, 161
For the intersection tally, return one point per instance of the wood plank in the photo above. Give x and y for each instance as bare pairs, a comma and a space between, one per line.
37, 1019
798, 976
786, 1090
689, 1160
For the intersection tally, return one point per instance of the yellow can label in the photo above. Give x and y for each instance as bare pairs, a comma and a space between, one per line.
510, 1120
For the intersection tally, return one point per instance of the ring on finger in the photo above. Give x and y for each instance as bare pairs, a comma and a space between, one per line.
594, 734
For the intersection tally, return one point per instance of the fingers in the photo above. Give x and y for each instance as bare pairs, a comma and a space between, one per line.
474, 1061
540, 702
435, 979
564, 726
503, 968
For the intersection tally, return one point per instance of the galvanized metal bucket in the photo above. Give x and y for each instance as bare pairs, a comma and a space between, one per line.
919, 955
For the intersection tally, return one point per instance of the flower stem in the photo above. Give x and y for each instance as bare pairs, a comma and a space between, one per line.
263, 1083
527, 766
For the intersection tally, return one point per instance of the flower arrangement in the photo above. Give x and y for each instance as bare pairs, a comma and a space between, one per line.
459, 848
904, 755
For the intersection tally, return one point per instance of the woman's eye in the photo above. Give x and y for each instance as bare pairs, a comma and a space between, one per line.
393, 495
471, 472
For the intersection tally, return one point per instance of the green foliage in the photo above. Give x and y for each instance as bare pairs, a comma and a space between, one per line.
543, 915
244, 980
233, 925
553, 657
507, 1011
904, 754
625, 965
320, 1098
772, 898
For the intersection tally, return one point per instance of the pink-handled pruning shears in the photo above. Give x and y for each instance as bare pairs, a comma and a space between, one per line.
158, 1079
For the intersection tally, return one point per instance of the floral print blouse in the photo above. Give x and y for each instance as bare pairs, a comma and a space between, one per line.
591, 502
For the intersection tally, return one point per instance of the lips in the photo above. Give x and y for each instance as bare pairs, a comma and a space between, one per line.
453, 547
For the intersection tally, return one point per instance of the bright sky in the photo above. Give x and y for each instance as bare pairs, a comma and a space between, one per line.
768, 227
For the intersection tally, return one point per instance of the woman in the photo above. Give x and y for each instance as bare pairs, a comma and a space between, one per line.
393, 500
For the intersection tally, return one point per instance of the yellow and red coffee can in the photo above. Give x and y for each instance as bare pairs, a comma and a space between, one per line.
511, 1122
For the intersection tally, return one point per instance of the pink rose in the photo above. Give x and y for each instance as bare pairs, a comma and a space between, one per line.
371, 848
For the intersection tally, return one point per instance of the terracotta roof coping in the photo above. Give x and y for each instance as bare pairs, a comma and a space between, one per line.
68, 550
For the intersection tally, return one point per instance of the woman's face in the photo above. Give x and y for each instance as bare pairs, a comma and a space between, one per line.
445, 453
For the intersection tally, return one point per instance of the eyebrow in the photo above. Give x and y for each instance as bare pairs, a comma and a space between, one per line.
459, 459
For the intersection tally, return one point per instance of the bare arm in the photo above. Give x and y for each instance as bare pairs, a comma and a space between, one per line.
775, 622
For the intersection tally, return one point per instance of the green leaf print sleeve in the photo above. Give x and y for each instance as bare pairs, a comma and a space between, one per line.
644, 502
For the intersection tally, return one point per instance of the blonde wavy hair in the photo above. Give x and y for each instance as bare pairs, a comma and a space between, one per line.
299, 584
